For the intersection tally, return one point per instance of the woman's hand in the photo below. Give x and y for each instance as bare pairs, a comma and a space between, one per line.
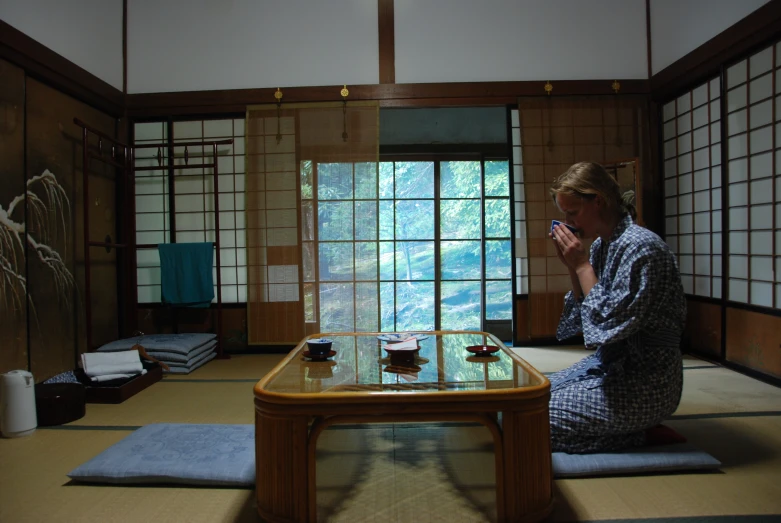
569, 248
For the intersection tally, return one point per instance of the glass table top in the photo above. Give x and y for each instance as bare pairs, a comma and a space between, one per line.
443, 363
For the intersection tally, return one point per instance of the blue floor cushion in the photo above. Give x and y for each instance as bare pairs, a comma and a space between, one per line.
188, 454
677, 457
224, 455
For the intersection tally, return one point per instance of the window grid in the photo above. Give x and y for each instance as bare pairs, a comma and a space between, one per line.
519, 202
360, 239
372, 234
496, 281
193, 194
692, 171
151, 208
753, 199
273, 221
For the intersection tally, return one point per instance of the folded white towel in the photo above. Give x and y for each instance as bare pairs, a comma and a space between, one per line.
408, 344
102, 363
109, 377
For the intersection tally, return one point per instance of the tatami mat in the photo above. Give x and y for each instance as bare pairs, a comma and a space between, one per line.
178, 402
720, 390
748, 481
35, 487
237, 367
551, 359
404, 472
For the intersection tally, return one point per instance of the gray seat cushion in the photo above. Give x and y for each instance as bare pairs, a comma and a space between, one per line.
640, 460
224, 455
189, 454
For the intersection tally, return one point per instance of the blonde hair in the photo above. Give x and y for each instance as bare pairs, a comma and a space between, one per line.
589, 180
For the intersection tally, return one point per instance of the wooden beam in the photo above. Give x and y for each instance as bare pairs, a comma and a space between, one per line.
154, 105
124, 46
385, 18
648, 37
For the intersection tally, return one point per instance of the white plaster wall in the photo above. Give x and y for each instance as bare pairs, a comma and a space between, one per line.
183, 45
192, 45
678, 27
86, 32
507, 40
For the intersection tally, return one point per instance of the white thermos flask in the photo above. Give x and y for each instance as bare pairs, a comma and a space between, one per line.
17, 404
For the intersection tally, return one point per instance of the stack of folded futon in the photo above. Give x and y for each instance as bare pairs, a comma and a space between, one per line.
183, 353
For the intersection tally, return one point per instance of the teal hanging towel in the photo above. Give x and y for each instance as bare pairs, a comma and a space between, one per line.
186, 273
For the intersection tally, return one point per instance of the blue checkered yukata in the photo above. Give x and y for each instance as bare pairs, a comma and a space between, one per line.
634, 317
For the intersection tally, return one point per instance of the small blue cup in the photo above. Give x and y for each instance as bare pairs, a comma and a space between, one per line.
319, 346
554, 223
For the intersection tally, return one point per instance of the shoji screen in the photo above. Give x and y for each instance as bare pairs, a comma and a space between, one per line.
316, 162
152, 209
519, 200
752, 86
555, 133
191, 218
194, 198
692, 172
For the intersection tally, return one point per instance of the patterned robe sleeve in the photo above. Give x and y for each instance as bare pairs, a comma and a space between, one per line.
636, 292
570, 323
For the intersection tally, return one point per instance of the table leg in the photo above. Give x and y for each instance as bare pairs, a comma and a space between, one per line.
528, 476
281, 468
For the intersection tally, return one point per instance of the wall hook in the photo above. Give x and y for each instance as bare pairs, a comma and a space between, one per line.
278, 97
345, 93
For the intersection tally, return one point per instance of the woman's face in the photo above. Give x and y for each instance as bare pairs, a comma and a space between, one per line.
581, 213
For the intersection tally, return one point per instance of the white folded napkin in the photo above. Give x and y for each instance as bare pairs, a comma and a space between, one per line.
102, 363
408, 344
109, 377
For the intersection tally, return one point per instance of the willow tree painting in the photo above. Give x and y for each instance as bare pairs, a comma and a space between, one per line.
48, 216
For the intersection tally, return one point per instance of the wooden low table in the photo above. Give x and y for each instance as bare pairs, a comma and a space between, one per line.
300, 398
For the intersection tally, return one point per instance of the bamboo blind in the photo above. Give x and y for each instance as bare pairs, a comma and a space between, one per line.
555, 133
280, 140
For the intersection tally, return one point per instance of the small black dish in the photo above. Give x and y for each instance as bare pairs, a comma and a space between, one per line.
402, 355
483, 359
483, 350
319, 357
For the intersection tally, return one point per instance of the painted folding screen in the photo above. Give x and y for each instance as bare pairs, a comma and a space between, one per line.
311, 181
555, 133
13, 187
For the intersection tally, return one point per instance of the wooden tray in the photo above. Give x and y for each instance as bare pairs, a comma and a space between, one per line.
117, 392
